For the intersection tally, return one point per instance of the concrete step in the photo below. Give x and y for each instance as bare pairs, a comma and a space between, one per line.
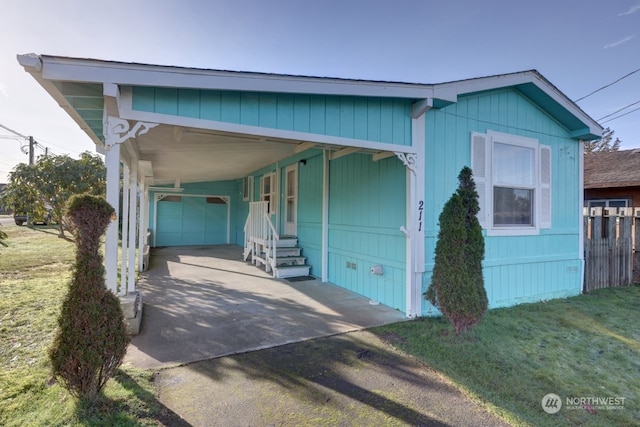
290, 260
285, 251
283, 272
286, 242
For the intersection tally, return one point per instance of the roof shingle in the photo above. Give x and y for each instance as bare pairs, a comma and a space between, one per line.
612, 169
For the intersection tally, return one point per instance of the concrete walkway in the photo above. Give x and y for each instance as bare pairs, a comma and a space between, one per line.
205, 302
204, 311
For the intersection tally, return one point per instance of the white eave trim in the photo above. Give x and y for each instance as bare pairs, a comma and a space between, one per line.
33, 65
50, 68
455, 89
96, 71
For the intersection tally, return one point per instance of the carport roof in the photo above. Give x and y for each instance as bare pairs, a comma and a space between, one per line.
84, 88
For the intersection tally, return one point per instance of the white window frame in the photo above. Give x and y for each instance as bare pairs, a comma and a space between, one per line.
273, 203
247, 188
482, 154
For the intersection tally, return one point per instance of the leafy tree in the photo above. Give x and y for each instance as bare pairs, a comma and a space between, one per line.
603, 144
92, 336
50, 182
457, 285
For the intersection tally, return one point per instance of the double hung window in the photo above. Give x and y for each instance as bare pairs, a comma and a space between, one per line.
513, 178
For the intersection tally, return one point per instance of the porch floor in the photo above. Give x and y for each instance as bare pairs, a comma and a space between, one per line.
203, 302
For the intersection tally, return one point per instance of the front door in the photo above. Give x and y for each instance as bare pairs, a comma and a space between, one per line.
291, 200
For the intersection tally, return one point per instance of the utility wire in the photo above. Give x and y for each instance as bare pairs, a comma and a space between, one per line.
621, 115
13, 131
606, 86
617, 111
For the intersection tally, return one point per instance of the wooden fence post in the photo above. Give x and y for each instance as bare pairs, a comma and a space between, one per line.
636, 245
610, 236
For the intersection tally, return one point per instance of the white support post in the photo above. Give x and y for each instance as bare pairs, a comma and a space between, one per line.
325, 215
415, 164
124, 262
580, 212
142, 227
112, 163
133, 222
116, 131
418, 131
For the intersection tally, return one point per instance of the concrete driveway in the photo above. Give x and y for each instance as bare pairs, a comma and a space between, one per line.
205, 302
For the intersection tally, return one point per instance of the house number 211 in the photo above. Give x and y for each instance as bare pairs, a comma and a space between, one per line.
420, 212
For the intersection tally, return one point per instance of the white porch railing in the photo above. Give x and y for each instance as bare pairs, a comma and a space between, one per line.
259, 235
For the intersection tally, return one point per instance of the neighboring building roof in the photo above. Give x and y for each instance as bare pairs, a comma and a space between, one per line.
612, 169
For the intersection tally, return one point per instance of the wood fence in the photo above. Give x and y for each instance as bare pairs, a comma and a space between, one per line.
611, 247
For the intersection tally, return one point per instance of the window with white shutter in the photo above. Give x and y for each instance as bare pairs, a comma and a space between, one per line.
479, 169
513, 179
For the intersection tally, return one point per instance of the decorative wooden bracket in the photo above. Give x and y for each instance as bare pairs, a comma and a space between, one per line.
410, 160
119, 130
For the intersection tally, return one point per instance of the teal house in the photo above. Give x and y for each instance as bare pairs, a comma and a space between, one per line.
340, 179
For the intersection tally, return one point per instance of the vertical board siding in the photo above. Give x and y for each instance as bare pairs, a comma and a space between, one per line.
373, 119
367, 207
310, 211
521, 268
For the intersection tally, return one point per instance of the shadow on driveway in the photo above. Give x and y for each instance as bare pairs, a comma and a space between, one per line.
205, 302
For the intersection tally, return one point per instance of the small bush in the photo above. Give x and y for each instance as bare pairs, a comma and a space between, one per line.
92, 337
3, 237
457, 285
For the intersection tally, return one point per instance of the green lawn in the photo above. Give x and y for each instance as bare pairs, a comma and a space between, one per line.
587, 346
34, 274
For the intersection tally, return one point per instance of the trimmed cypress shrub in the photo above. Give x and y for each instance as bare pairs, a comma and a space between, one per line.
92, 337
457, 285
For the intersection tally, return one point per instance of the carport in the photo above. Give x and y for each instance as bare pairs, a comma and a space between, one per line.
202, 302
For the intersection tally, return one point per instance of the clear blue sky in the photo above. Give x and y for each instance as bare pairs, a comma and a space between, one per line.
579, 45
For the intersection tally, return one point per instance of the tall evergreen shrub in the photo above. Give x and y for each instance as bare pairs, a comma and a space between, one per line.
457, 285
92, 337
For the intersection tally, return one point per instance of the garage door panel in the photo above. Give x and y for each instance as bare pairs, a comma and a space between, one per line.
168, 239
169, 224
194, 239
191, 221
218, 237
192, 225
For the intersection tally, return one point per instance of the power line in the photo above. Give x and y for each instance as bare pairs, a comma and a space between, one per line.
617, 111
13, 131
606, 86
621, 115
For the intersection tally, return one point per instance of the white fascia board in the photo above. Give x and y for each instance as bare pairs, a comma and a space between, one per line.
293, 136
127, 113
455, 89
33, 65
95, 71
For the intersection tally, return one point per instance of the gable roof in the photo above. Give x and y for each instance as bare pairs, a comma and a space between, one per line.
612, 169
180, 149
64, 77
